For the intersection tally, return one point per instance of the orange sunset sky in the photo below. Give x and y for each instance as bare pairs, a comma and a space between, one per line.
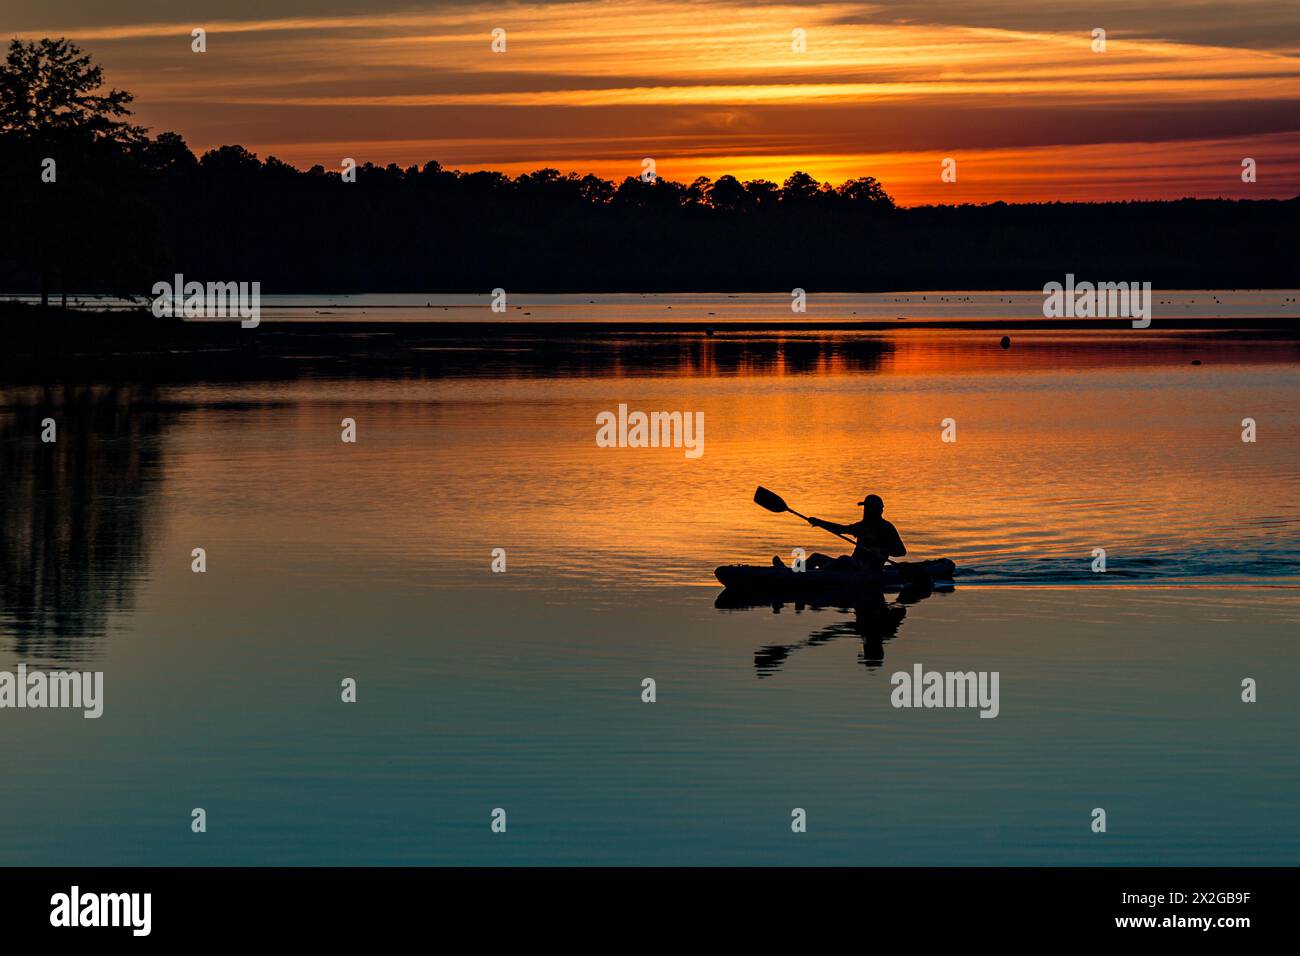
1013, 91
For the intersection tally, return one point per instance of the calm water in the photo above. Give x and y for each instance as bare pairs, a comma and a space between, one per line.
522, 690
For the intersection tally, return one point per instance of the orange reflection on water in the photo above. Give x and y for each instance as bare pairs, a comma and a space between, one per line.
1066, 442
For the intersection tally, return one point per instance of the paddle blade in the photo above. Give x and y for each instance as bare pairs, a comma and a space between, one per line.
770, 500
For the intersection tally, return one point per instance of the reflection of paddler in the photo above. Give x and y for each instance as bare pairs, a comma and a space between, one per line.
874, 621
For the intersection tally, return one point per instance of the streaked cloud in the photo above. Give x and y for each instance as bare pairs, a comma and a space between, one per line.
1016, 95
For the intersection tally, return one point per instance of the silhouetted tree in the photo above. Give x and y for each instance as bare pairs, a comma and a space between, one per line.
763, 193
866, 190
70, 153
727, 194
799, 188
595, 190
48, 90
169, 154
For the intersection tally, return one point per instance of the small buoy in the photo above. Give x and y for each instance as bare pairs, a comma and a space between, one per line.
708, 330
1006, 342
1196, 361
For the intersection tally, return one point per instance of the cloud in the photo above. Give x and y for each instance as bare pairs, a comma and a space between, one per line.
601, 81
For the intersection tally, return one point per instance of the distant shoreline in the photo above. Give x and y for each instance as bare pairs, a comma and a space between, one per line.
65, 346
24, 322
703, 326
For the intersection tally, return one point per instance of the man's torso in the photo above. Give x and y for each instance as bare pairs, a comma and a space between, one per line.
878, 535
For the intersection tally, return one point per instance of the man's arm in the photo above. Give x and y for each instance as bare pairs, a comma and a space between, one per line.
832, 526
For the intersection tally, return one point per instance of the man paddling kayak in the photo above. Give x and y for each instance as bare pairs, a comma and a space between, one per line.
877, 540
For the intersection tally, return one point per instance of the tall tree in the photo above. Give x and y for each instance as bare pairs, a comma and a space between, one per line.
66, 147
50, 89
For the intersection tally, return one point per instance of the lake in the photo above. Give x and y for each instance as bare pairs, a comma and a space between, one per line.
1119, 689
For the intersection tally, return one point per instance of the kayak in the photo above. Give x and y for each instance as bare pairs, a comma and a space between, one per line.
775, 581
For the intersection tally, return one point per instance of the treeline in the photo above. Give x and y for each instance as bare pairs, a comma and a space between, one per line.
117, 220
89, 203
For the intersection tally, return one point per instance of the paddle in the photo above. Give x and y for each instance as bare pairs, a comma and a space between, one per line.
776, 504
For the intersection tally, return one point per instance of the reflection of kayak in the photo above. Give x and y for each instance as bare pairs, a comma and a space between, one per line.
783, 582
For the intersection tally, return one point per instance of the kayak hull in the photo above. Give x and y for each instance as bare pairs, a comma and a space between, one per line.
783, 582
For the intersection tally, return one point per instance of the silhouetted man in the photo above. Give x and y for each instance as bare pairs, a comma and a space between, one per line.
877, 540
